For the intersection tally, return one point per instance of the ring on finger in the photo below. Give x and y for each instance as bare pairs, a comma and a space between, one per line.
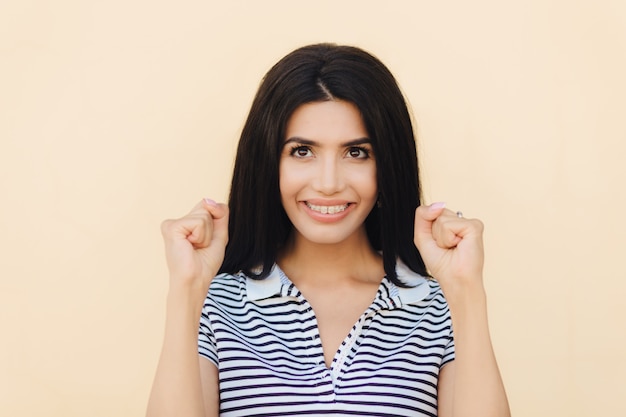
459, 214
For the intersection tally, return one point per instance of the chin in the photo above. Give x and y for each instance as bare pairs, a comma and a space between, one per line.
319, 235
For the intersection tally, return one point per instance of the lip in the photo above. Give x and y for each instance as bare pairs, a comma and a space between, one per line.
327, 218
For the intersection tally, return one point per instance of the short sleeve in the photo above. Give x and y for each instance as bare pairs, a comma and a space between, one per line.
448, 353
206, 339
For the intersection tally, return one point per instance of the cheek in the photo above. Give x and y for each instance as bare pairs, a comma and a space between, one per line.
288, 185
368, 184
291, 178
284, 181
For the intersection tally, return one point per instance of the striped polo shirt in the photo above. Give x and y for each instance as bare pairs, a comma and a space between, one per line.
263, 337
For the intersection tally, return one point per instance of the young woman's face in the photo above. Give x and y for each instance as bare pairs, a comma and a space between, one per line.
327, 172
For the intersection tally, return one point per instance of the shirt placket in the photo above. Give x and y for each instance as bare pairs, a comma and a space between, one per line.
348, 349
345, 355
315, 351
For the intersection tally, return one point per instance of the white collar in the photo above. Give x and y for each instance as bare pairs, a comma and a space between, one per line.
277, 283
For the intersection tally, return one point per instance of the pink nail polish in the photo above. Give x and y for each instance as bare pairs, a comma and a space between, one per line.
436, 206
210, 202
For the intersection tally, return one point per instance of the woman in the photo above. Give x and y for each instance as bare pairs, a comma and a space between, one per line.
320, 302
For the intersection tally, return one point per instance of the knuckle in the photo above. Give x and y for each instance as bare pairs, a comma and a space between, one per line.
165, 226
478, 224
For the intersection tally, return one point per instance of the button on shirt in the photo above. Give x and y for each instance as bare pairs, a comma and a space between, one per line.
263, 337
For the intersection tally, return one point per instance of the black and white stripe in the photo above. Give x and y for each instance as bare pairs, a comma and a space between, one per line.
263, 337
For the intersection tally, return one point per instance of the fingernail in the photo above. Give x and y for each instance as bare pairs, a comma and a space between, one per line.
436, 206
210, 202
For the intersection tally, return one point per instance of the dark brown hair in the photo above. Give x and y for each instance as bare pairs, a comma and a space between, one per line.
258, 225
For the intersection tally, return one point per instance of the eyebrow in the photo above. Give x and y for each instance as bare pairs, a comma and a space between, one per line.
303, 141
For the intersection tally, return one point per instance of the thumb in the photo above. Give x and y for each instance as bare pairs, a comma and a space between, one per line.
424, 218
219, 212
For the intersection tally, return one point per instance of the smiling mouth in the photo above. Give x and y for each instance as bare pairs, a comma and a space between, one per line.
328, 209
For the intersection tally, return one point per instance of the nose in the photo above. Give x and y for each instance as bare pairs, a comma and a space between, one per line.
329, 178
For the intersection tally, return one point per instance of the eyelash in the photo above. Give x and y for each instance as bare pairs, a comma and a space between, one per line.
295, 148
365, 151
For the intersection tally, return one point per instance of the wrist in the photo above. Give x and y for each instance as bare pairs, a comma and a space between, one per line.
467, 303
470, 291
186, 297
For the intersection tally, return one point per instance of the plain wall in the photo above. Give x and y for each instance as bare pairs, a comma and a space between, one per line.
115, 115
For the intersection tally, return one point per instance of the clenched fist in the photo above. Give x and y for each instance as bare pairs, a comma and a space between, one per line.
195, 244
451, 246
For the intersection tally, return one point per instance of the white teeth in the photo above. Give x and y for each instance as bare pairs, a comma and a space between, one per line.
327, 209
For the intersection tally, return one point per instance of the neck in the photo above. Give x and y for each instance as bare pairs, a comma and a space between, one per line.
309, 263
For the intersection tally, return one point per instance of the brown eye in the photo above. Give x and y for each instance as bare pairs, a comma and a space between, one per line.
358, 153
301, 152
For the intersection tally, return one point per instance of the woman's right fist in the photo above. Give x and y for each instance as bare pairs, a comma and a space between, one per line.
195, 244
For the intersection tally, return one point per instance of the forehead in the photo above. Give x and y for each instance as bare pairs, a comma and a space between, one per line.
330, 120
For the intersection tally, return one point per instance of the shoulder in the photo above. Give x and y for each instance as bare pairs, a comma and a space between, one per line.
435, 303
435, 292
423, 297
239, 289
227, 282
226, 289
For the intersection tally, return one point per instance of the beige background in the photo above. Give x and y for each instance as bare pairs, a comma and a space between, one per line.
115, 115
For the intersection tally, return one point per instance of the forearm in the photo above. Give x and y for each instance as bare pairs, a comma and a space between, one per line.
478, 387
177, 388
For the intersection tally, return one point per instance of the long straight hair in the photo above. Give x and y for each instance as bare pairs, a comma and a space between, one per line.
258, 226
